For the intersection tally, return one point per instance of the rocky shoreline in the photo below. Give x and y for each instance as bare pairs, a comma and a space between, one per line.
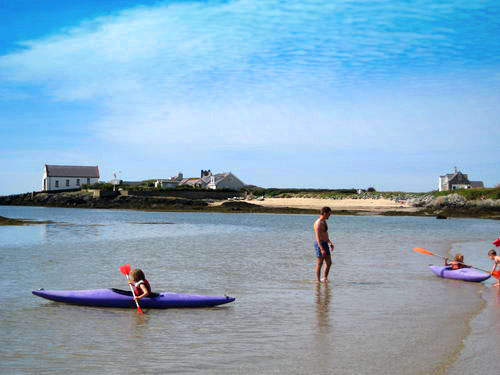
146, 203
453, 205
10, 221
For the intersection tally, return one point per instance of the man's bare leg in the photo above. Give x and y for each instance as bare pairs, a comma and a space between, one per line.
328, 261
319, 264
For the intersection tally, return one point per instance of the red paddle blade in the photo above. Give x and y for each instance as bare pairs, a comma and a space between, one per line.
496, 242
125, 269
139, 310
422, 251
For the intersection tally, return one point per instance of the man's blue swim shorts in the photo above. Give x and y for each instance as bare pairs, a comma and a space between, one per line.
325, 246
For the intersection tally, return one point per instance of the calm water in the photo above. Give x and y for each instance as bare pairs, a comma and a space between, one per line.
383, 312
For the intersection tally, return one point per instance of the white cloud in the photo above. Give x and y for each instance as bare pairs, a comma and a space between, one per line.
246, 74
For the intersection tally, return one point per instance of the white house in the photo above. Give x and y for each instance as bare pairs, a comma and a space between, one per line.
62, 177
170, 183
214, 181
457, 180
222, 181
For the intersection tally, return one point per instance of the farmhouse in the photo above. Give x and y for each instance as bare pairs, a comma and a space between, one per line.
63, 177
208, 180
223, 181
171, 183
457, 180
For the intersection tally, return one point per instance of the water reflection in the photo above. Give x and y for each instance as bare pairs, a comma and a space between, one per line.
323, 338
323, 297
138, 324
57, 231
497, 294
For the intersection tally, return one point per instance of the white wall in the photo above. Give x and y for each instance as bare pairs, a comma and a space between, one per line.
442, 181
63, 183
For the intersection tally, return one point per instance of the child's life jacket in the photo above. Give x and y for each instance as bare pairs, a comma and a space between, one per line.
138, 291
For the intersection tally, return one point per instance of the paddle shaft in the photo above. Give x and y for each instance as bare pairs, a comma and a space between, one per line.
133, 294
480, 269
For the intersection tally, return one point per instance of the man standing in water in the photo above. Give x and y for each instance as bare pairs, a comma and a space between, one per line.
322, 244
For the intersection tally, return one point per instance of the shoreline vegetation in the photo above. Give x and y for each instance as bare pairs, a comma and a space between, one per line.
472, 203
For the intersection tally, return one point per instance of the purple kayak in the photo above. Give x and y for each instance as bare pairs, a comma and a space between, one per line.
123, 298
465, 274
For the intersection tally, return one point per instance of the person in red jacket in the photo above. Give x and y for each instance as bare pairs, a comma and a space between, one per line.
141, 285
456, 263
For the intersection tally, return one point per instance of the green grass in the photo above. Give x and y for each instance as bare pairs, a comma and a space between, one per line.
284, 193
322, 193
473, 194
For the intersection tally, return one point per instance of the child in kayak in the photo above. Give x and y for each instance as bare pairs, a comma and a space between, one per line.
456, 263
496, 259
141, 285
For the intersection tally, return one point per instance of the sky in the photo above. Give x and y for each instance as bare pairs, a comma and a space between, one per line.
298, 94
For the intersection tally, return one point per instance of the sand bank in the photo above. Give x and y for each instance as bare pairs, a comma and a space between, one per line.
373, 205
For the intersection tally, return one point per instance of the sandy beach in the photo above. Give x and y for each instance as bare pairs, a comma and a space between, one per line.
371, 205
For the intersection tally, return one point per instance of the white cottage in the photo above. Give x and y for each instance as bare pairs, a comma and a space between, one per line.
63, 177
457, 180
222, 181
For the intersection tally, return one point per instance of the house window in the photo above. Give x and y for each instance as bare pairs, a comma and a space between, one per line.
57, 183
88, 181
67, 182
77, 182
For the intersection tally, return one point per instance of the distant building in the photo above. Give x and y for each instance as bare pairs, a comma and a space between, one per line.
222, 181
192, 181
208, 180
170, 183
63, 177
457, 180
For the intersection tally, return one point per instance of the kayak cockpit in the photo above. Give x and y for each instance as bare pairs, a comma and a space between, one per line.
128, 293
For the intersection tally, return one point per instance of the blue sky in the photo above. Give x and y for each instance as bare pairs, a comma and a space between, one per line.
320, 94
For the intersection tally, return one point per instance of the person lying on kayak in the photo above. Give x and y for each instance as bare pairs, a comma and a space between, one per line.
496, 259
141, 285
456, 263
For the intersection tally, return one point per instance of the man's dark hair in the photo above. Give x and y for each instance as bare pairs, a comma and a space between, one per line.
492, 252
325, 210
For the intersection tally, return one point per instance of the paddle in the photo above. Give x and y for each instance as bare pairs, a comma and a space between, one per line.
495, 274
496, 242
125, 269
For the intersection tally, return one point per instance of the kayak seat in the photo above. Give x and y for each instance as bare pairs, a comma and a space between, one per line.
129, 293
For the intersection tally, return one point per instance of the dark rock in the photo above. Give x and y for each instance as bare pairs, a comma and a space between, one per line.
239, 205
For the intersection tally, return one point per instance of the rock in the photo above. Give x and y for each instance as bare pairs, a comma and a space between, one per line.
456, 200
239, 205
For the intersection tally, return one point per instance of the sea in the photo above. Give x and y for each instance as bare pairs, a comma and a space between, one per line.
383, 311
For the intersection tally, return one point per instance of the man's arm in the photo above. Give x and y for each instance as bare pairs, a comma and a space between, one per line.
317, 229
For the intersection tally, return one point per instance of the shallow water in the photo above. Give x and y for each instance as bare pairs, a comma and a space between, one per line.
382, 313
